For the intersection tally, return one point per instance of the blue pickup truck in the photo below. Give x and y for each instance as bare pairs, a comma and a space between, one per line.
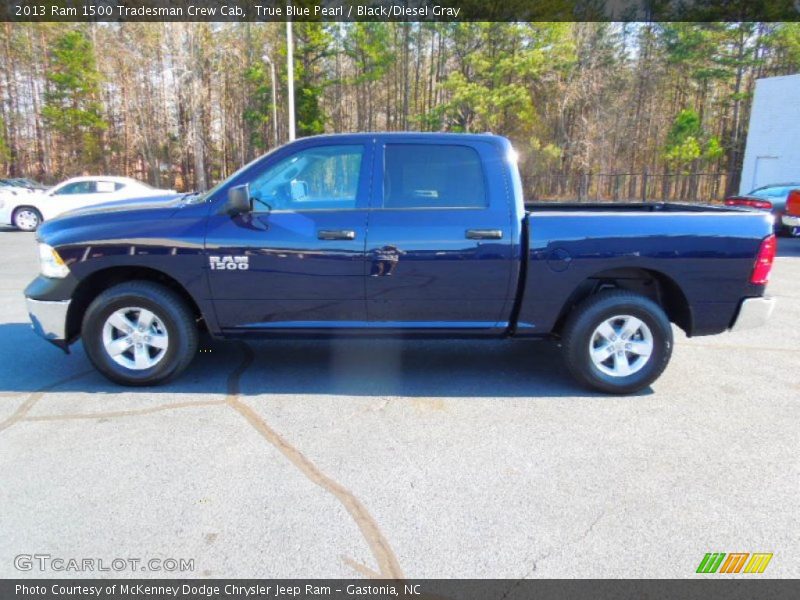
400, 234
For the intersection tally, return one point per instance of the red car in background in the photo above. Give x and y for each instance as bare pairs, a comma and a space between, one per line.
773, 198
791, 216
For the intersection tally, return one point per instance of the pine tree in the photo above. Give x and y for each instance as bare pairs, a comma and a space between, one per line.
72, 108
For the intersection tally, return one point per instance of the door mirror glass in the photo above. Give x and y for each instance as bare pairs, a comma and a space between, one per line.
238, 200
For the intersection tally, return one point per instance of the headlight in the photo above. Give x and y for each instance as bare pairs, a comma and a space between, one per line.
50, 263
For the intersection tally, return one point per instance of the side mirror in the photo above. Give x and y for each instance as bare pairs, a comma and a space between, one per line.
238, 200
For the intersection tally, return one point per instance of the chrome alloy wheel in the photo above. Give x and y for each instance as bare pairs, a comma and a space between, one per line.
135, 338
621, 346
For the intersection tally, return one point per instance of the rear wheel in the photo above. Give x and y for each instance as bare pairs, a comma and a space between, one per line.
617, 342
139, 333
26, 218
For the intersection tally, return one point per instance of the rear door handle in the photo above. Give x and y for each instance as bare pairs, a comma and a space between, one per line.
336, 234
484, 234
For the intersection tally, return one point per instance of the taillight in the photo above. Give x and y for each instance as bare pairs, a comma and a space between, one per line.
766, 205
793, 203
766, 255
751, 202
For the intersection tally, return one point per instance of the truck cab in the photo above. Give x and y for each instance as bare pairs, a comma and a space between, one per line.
332, 219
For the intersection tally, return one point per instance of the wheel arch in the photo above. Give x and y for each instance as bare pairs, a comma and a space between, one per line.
656, 285
99, 281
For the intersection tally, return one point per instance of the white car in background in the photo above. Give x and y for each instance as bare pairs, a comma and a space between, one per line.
27, 211
6, 189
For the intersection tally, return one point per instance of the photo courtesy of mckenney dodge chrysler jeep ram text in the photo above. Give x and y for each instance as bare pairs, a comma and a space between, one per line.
396, 235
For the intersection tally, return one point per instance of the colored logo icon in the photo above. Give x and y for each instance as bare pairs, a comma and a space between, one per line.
736, 562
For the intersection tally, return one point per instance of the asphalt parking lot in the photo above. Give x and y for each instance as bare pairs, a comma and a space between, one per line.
391, 459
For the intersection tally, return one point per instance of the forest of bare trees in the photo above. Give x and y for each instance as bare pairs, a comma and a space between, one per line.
601, 108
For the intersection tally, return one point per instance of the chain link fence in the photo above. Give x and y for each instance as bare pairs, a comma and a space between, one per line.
626, 187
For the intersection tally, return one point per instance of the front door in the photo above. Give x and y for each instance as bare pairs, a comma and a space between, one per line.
297, 260
79, 194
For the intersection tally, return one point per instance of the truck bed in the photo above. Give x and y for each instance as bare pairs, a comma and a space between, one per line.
706, 252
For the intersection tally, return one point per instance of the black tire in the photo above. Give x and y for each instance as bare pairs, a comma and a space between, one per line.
26, 224
169, 309
585, 318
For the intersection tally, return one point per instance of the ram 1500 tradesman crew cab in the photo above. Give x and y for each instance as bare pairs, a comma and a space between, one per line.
396, 235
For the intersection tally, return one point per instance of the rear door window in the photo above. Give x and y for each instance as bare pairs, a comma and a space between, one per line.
433, 176
106, 187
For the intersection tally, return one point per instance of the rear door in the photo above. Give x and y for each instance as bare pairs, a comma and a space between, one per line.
440, 237
106, 191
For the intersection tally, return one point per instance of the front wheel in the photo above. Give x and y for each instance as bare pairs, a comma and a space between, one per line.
617, 342
139, 333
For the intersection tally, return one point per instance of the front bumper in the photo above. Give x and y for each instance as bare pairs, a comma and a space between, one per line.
753, 312
49, 320
791, 221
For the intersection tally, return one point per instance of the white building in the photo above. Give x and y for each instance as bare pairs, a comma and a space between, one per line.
772, 154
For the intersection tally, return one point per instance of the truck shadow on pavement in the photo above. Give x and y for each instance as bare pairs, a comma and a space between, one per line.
341, 367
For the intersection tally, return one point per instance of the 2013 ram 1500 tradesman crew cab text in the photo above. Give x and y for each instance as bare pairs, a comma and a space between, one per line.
396, 235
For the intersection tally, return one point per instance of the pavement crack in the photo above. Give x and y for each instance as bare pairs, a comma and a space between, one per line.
135, 412
388, 565
546, 555
34, 397
527, 575
591, 527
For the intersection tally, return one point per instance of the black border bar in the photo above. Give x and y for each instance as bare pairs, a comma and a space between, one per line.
398, 10
708, 588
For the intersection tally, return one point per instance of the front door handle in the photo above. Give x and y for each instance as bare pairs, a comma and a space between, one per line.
484, 234
336, 234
